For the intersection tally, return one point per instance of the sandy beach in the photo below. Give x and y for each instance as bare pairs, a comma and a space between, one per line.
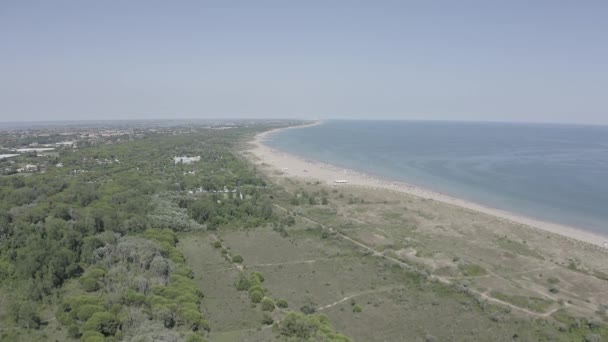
295, 166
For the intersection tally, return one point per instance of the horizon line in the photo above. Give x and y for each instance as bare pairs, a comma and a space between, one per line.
305, 119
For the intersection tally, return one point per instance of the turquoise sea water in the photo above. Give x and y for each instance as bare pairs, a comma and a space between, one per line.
556, 173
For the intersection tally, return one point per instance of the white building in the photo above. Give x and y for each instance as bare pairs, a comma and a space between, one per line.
186, 160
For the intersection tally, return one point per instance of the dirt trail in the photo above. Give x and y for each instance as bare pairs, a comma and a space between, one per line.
382, 289
289, 263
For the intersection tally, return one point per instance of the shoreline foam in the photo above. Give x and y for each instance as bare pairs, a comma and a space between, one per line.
311, 169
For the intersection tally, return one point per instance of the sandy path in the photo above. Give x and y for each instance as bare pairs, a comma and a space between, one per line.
310, 169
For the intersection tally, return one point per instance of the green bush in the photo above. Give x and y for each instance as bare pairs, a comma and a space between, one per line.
357, 308
73, 331
102, 322
267, 319
258, 276
282, 303
88, 284
133, 297
308, 309
267, 304
26, 315
254, 288
86, 311
309, 327
217, 244
183, 271
192, 318
256, 296
96, 273
237, 259
92, 336
243, 283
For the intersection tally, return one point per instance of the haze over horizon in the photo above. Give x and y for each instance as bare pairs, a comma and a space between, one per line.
473, 60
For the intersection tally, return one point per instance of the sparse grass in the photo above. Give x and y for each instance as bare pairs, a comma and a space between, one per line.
306, 267
517, 248
533, 303
472, 270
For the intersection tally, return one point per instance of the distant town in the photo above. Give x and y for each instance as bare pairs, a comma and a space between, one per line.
35, 147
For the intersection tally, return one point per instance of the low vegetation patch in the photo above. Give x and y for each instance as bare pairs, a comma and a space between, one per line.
472, 270
314, 327
516, 247
532, 303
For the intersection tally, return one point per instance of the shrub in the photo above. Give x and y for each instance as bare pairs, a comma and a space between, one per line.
242, 284
204, 325
258, 276
86, 311
282, 303
159, 266
96, 273
309, 327
73, 331
88, 284
267, 319
256, 296
92, 336
253, 288
267, 304
308, 309
592, 338
296, 325
102, 322
183, 271
237, 259
26, 315
357, 308
217, 244
133, 297
192, 318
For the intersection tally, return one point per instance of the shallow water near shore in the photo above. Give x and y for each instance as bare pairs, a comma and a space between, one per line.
555, 173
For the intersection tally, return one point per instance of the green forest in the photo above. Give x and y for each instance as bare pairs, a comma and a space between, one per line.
92, 244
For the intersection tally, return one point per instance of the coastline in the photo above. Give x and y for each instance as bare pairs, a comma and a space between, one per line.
295, 166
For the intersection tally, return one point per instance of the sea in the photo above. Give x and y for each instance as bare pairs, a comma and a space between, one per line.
551, 172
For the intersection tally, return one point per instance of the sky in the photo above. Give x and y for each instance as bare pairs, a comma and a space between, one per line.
487, 60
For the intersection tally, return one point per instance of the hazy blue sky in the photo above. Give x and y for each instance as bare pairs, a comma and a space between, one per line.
459, 60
